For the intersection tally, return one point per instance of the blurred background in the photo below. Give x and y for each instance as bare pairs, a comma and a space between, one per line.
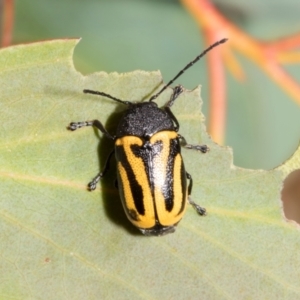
263, 122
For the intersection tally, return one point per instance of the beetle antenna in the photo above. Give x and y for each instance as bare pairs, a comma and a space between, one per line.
106, 95
188, 66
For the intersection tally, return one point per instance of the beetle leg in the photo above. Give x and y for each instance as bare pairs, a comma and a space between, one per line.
92, 185
200, 210
76, 125
177, 90
201, 148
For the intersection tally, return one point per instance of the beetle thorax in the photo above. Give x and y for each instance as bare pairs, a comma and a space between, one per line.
143, 120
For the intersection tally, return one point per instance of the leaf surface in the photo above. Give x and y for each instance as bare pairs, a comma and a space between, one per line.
59, 241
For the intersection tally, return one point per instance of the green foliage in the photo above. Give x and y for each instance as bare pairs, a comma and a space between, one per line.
59, 241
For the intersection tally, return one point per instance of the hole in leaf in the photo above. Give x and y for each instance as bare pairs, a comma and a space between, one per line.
290, 196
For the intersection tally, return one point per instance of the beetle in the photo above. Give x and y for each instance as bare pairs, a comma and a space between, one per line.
151, 176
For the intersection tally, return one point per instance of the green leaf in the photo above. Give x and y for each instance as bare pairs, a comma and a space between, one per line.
59, 241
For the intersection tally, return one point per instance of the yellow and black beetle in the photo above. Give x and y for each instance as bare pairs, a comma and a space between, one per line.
152, 180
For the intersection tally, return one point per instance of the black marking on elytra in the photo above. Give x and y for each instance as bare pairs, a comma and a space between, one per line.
168, 187
183, 187
133, 215
147, 153
136, 189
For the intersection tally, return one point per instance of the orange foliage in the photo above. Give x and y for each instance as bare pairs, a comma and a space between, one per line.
268, 55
